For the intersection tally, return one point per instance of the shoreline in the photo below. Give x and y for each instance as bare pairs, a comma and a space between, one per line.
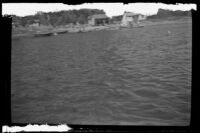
49, 31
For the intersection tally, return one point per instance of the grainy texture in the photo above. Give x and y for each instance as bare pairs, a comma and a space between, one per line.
139, 76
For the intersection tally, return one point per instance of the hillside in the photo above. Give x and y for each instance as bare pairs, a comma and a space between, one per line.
163, 13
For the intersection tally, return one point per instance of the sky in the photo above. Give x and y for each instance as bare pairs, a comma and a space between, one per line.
111, 9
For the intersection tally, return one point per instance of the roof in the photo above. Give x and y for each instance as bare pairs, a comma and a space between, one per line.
98, 16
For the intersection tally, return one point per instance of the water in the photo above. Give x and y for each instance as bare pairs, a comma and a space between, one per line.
138, 76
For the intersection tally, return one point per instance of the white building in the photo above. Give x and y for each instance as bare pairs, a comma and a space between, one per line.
36, 24
130, 19
142, 17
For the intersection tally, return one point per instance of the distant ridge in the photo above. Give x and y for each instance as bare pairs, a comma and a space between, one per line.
165, 13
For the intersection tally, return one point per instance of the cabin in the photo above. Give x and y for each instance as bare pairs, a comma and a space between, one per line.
131, 19
142, 17
35, 24
99, 19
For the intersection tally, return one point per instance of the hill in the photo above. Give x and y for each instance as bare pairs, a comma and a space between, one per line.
164, 13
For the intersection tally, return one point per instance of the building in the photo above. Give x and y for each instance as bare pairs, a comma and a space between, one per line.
116, 19
99, 19
141, 17
130, 19
35, 24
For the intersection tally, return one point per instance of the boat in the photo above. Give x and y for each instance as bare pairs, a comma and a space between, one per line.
39, 34
62, 32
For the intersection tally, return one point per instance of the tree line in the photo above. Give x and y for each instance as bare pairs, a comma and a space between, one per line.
57, 18
81, 16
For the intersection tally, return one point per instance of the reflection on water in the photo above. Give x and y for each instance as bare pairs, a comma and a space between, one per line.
136, 76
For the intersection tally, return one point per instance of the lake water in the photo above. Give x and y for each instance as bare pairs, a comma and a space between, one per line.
139, 76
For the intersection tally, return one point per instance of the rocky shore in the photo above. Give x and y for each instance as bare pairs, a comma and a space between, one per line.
49, 30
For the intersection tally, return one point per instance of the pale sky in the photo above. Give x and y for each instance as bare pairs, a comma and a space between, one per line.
111, 9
